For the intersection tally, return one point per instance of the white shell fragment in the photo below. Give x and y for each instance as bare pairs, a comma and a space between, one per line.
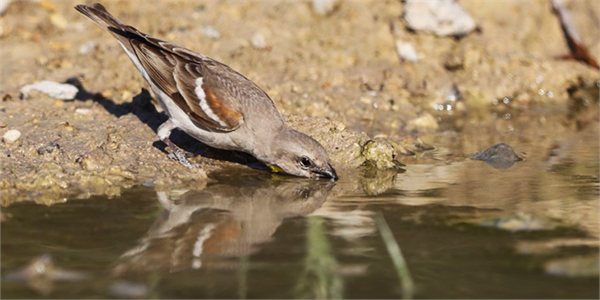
62, 91
11, 136
442, 17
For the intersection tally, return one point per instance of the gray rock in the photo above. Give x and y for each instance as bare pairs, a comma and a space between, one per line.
442, 17
499, 156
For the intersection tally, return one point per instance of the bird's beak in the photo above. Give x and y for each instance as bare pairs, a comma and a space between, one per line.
329, 172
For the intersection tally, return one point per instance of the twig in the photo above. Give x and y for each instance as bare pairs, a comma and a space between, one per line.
578, 50
406, 282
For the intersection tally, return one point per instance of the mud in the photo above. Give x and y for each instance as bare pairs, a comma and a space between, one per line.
336, 77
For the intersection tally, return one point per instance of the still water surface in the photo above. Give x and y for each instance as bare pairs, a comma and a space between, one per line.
465, 229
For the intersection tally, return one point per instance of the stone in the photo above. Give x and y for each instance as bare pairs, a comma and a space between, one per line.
258, 41
62, 91
442, 17
406, 51
11, 136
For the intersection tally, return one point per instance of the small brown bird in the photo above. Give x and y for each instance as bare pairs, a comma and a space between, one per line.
213, 103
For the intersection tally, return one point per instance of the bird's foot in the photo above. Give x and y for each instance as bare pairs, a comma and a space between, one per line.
178, 155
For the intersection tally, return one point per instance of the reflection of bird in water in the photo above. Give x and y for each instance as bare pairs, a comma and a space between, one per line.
201, 229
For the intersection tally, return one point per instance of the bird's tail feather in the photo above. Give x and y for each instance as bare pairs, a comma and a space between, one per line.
97, 13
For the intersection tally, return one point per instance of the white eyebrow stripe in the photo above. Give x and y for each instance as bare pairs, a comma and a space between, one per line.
204, 105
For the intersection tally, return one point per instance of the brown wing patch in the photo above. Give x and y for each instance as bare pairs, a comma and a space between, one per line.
186, 90
176, 77
229, 116
213, 106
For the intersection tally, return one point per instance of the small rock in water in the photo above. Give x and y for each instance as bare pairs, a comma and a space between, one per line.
442, 17
499, 156
406, 51
258, 41
62, 91
87, 47
379, 153
11, 136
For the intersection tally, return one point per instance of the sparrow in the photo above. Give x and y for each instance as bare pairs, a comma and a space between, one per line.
213, 103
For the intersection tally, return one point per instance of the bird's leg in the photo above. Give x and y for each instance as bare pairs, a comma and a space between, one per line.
164, 131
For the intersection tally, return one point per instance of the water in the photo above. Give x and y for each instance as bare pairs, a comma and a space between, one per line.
466, 229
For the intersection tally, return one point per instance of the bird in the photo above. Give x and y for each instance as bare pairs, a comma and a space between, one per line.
214, 104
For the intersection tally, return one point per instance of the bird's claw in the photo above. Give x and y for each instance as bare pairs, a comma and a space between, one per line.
181, 158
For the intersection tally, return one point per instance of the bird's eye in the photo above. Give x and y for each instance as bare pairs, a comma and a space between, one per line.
305, 162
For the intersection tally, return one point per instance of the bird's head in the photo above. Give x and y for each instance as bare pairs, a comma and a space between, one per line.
298, 154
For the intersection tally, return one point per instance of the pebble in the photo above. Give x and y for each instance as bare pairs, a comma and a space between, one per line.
211, 32
323, 7
62, 91
11, 136
406, 51
83, 111
258, 41
442, 17
87, 47
499, 156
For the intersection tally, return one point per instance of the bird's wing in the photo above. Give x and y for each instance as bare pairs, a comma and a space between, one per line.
178, 72
190, 83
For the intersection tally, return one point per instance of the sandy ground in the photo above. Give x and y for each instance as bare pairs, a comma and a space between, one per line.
337, 77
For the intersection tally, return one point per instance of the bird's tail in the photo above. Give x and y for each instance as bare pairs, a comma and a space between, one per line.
97, 13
